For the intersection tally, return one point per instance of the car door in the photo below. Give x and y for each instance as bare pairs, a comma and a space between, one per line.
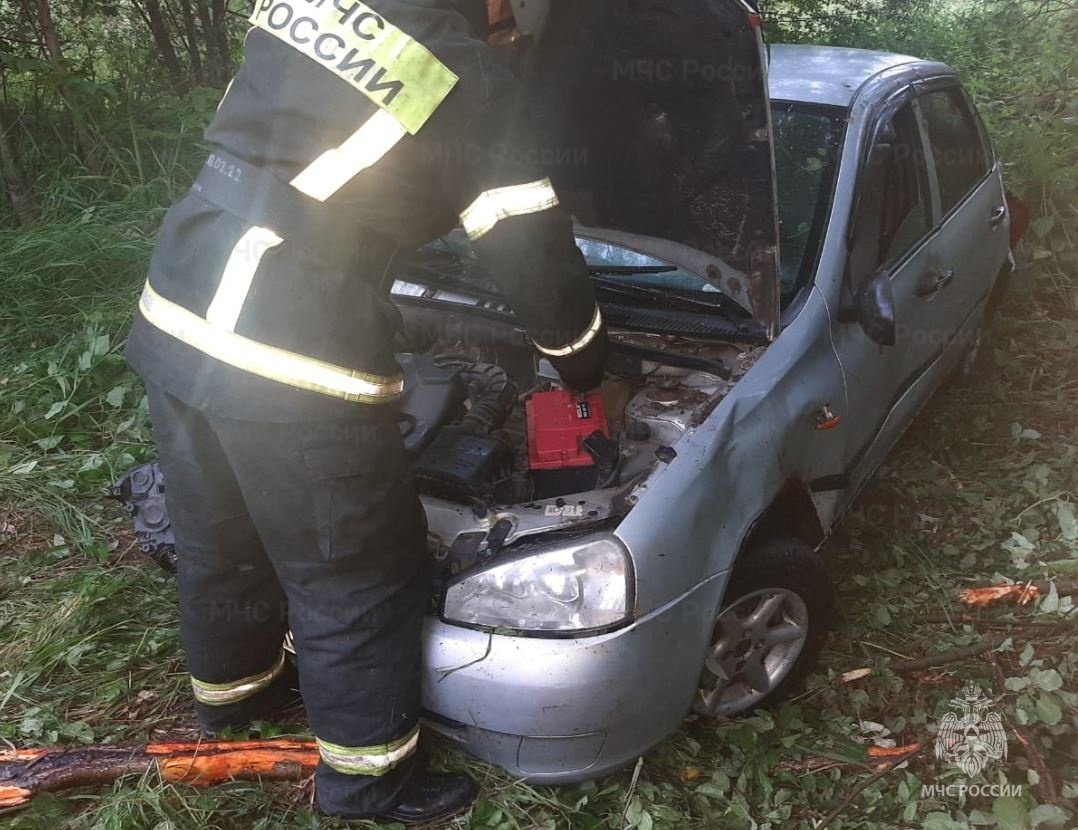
894, 236
972, 242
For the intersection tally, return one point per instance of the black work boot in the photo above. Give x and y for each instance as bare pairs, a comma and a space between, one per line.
431, 797
427, 798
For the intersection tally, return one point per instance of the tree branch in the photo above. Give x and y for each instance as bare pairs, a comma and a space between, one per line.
868, 782
1046, 787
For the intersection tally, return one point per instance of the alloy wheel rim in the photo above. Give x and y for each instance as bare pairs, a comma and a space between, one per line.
756, 644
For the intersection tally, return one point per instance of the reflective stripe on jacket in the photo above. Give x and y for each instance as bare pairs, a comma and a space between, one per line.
396, 122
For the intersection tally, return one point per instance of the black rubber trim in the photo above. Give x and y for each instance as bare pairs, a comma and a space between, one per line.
684, 323
829, 484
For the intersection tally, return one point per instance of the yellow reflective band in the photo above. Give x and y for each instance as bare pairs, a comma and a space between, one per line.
368, 760
364, 148
228, 89
495, 205
358, 45
320, 179
222, 694
581, 342
239, 273
264, 360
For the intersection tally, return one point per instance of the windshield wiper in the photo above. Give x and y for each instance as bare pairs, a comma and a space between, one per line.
672, 358
661, 296
629, 270
439, 280
449, 274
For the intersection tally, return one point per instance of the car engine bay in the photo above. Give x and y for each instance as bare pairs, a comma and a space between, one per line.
502, 452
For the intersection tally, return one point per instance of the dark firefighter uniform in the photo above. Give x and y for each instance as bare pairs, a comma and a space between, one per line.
265, 334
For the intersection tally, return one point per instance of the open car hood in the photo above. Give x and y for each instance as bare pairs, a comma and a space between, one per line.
656, 119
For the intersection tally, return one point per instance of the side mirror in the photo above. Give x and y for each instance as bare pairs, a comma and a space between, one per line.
876, 309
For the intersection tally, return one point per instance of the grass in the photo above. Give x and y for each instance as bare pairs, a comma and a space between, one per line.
983, 487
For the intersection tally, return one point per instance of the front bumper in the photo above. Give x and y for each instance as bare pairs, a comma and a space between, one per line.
562, 710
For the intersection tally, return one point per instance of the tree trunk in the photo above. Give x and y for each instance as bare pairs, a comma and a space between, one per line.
191, 40
51, 39
220, 34
210, 40
159, 29
25, 773
48, 30
15, 187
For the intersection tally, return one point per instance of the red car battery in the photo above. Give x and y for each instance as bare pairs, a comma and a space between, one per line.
558, 424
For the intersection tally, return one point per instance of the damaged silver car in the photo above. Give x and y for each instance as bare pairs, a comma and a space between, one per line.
793, 249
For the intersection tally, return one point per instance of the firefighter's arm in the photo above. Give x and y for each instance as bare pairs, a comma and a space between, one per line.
524, 240
534, 259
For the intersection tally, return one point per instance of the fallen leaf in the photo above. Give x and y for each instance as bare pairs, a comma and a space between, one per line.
877, 752
1068, 523
856, 674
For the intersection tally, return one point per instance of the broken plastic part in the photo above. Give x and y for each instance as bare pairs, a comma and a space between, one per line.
141, 491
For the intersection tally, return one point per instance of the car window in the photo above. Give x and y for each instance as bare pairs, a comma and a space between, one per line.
806, 152
957, 144
907, 217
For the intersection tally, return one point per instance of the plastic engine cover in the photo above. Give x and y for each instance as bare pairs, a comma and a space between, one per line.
558, 423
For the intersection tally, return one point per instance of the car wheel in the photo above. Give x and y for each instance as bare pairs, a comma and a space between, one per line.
770, 630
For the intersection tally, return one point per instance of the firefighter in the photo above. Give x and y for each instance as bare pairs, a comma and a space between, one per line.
353, 131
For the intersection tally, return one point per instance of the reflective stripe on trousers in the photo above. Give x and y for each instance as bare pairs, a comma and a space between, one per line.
368, 760
223, 694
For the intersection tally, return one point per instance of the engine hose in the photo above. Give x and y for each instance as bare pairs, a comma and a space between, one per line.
490, 390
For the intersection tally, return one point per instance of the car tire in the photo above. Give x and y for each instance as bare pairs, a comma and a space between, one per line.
784, 642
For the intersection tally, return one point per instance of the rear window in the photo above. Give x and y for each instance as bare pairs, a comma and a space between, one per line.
957, 144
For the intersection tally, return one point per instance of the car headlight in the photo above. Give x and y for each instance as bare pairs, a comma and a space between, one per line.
578, 586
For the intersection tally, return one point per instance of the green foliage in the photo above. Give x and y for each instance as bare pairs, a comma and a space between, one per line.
984, 487
71, 414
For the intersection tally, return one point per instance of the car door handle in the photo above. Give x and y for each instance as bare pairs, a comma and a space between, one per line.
937, 280
997, 217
